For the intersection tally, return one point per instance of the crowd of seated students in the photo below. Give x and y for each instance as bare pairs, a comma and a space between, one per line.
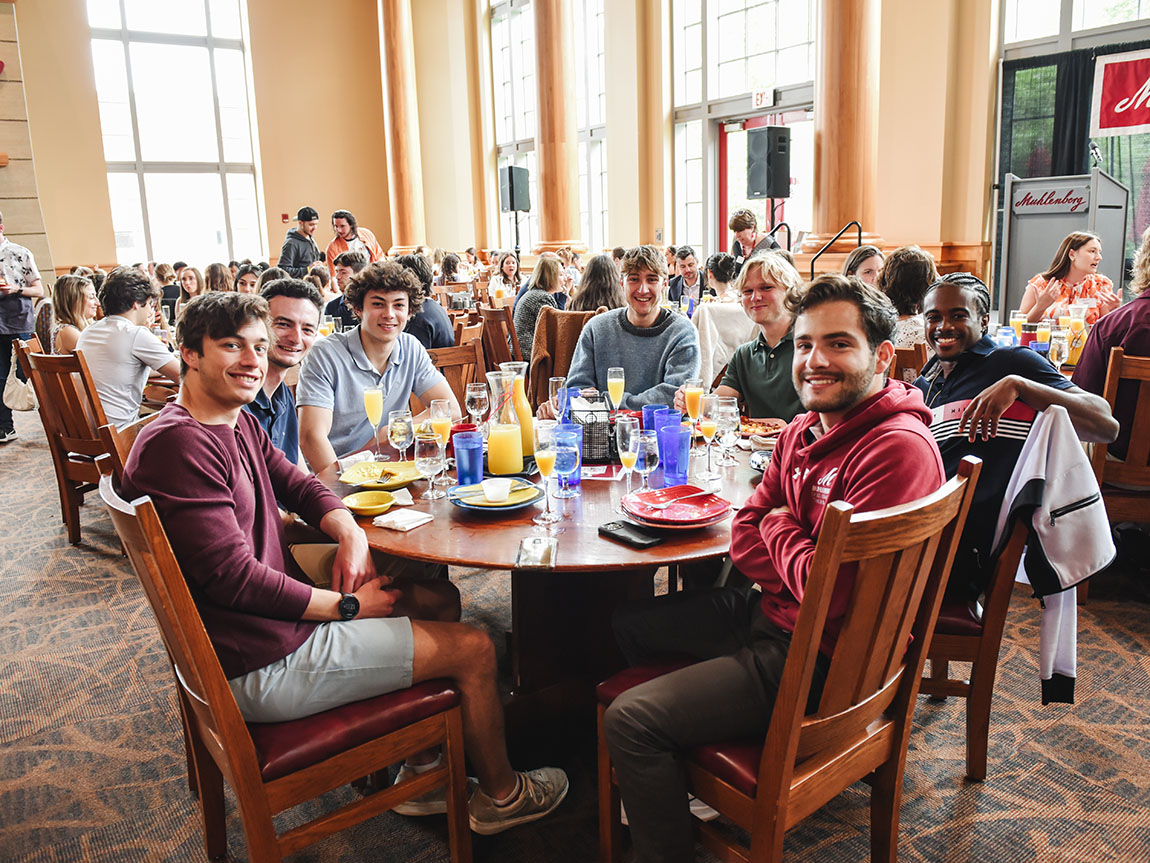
241, 446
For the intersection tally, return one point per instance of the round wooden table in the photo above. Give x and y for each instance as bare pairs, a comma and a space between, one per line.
560, 617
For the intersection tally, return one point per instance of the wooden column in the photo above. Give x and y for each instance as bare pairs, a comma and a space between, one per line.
846, 123
556, 138
401, 121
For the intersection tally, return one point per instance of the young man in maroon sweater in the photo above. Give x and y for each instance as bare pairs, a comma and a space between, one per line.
863, 440
288, 648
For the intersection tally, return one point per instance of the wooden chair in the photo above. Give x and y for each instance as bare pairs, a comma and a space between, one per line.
863, 721
461, 366
465, 332
71, 412
556, 335
962, 635
500, 344
907, 363
275, 766
1125, 504
118, 442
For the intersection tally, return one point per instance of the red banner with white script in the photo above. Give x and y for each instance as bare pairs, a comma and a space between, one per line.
1121, 104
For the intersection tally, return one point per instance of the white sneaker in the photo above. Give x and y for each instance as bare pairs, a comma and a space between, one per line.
540, 792
698, 808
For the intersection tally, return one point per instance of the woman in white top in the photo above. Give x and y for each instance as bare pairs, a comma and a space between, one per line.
507, 274
904, 278
74, 306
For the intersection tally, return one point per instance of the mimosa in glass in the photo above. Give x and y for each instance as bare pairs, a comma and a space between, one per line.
373, 405
616, 381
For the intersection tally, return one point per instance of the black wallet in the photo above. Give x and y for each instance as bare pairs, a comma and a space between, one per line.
629, 534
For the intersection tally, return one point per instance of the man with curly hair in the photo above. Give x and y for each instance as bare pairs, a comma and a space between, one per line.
376, 353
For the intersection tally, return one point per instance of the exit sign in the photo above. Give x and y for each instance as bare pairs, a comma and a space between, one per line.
763, 99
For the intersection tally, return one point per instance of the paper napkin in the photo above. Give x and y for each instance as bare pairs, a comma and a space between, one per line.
403, 519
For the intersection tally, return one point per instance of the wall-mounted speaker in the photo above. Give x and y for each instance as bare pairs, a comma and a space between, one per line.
769, 162
514, 191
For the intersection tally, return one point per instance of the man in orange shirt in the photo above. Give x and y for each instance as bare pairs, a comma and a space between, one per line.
349, 236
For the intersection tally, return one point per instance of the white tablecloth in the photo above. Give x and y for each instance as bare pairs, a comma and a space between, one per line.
722, 328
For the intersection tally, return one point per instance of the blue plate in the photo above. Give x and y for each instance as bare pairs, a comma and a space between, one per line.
510, 507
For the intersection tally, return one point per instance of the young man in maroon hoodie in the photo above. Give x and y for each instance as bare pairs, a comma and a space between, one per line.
863, 440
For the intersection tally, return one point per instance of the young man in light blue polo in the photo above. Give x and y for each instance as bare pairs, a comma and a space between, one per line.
377, 353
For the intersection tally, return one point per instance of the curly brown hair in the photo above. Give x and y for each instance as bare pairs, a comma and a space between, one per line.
905, 276
876, 311
215, 315
385, 277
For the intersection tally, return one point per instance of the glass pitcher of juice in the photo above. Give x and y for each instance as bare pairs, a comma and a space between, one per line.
522, 406
504, 436
1076, 332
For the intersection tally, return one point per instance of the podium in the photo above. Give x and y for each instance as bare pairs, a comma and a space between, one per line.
1041, 211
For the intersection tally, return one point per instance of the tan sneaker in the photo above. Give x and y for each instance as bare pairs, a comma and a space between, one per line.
539, 793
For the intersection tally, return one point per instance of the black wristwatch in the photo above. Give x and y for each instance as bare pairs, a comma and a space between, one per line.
348, 606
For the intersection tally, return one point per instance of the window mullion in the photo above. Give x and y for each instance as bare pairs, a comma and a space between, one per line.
219, 134
135, 132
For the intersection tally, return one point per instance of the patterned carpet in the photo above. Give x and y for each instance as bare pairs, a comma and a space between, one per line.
92, 760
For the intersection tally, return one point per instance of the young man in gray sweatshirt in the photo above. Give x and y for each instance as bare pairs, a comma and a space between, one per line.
658, 348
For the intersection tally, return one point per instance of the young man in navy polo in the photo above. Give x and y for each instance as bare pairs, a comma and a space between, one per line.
984, 399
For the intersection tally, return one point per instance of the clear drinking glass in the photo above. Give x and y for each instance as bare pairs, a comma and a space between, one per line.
557, 392
400, 431
476, 401
441, 418
566, 459
429, 462
545, 457
648, 456
727, 428
616, 381
627, 437
708, 425
373, 406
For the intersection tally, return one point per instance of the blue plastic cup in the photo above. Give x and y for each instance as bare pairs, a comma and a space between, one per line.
669, 418
650, 413
468, 457
674, 453
577, 429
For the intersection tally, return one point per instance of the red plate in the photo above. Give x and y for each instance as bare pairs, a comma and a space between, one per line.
691, 525
703, 507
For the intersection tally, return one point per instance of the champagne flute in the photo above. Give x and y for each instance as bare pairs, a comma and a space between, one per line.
475, 398
545, 456
557, 391
400, 431
693, 397
648, 456
373, 406
440, 413
627, 437
429, 461
708, 425
616, 380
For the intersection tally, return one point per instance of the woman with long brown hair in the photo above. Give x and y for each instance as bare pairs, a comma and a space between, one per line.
1072, 277
217, 277
74, 307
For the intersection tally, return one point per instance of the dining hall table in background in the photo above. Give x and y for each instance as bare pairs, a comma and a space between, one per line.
561, 641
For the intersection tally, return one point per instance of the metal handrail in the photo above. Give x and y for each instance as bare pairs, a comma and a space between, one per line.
833, 240
782, 225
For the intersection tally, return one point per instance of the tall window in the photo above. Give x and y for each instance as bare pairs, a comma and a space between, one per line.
176, 118
513, 71
723, 51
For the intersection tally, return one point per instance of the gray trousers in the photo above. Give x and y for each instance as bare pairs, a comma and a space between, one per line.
727, 695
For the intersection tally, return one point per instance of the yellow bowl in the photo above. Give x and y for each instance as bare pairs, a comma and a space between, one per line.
369, 502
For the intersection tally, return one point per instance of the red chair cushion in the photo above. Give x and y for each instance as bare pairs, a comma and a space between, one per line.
614, 686
285, 747
956, 618
737, 764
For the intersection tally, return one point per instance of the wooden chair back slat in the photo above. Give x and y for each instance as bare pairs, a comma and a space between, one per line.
908, 363
461, 366
500, 343
74, 403
118, 442
1131, 377
465, 332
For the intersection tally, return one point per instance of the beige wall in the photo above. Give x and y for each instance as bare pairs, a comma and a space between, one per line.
319, 102
64, 121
